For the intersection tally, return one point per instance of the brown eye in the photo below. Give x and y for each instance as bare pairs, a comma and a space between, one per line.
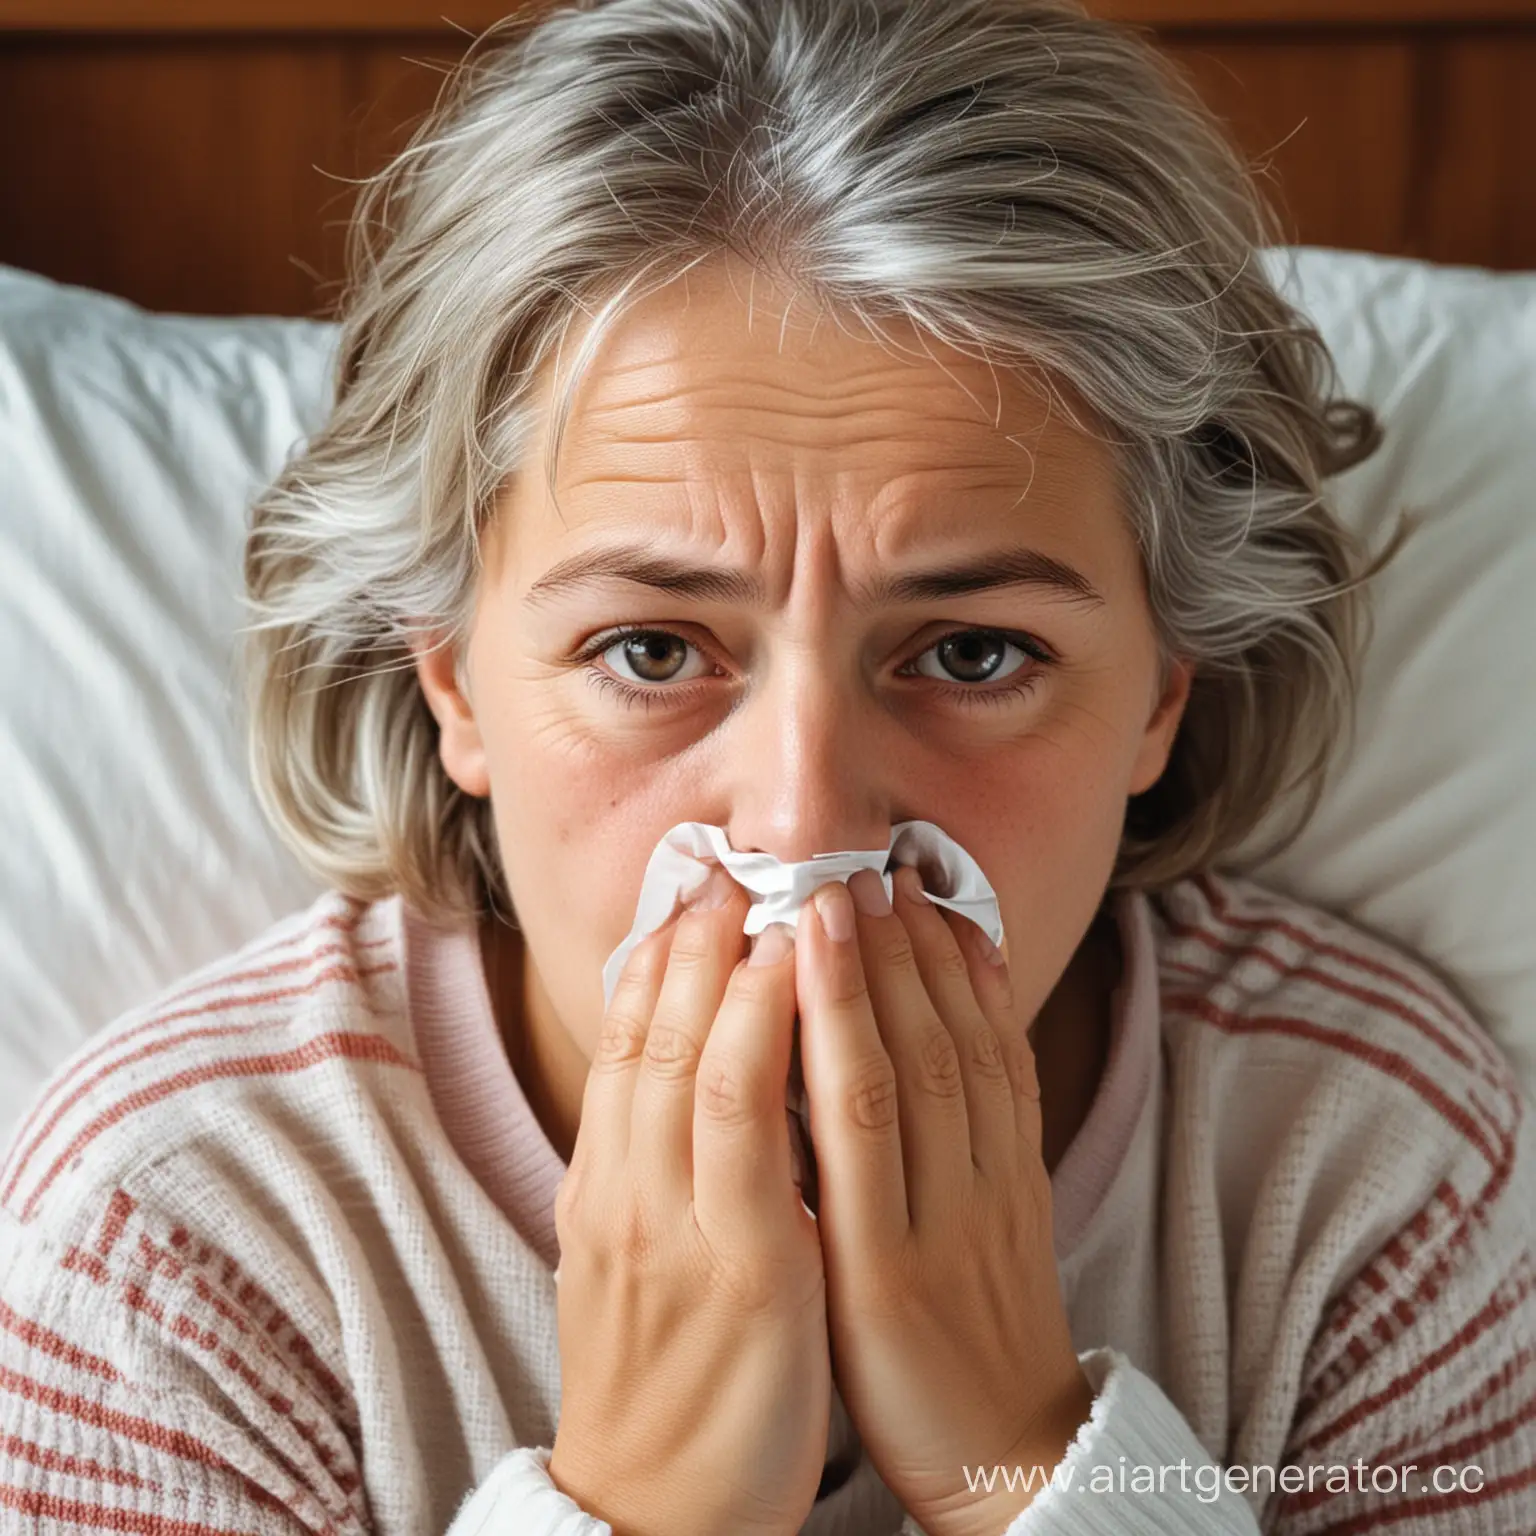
972, 656
649, 656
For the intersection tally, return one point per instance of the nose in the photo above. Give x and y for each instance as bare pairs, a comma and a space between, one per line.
805, 774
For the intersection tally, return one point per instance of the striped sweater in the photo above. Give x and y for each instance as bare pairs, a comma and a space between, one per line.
277, 1251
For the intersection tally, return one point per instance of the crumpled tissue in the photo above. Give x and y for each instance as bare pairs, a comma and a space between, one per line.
682, 861
685, 857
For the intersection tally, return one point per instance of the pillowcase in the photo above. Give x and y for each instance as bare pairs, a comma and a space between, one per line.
132, 851
131, 848
1427, 831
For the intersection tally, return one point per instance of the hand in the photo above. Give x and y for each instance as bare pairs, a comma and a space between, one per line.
696, 1378
949, 1337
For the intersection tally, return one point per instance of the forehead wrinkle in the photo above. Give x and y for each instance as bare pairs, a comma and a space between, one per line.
684, 380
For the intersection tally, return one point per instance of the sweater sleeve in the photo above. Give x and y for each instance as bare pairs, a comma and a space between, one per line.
1416, 1412
141, 1391
519, 1495
1413, 1412
1108, 1481
138, 1394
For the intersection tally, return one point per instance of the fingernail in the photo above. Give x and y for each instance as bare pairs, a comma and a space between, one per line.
772, 944
868, 892
713, 894
835, 909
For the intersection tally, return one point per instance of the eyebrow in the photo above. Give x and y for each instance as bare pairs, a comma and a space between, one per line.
1014, 567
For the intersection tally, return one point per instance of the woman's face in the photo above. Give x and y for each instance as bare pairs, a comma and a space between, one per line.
869, 588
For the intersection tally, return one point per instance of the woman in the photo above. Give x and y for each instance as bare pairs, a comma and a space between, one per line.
797, 417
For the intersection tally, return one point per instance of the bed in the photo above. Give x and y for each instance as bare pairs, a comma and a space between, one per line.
131, 440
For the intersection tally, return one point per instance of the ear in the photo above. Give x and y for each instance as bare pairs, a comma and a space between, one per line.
459, 745
1162, 727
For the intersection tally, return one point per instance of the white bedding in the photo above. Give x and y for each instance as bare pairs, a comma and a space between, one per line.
131, 850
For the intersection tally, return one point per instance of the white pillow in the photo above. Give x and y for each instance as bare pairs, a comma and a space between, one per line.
131, 849
1427, 833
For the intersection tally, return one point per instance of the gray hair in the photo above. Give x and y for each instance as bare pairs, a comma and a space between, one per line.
1026, 183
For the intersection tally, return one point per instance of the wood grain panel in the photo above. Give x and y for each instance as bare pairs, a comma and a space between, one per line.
1478, 152
188, 155
193, 175
1327, 126
374, 16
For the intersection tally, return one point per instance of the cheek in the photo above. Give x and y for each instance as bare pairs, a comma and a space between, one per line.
575, 831
1047, 832
574, 825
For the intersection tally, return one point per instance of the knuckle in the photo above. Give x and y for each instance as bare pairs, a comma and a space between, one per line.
951, 964
693, 942
940, 1062
869, 1095
894, 950
847, 985
670, 1051
987, 1054
750, 985
621, 1041
723, 1092
1022, 1070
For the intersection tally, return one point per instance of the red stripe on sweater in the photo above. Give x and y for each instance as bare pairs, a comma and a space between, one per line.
1439, 1269
119, 1208
1498, 1306
1446, 1455
88, 1264
189, 1331
23, 1154
252, 1297
328, 1047
1223, 911
147, 1432
47, 1342
1391, 1063
263, 1318
208, 1339
346, 923
83, 1467
280, 958
1495, 1076
85, 1410
246, 1326
1444, 1194
1486, 1391
1480, 1440
210, 996
1435, 1505
100, 1517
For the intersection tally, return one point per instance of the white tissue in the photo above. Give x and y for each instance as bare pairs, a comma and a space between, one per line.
685, 856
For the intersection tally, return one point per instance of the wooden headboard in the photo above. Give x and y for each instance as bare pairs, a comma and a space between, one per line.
193, 154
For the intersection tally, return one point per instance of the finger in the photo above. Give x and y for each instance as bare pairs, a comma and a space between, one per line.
743, 1189
705, 948
993, 983
935, 1123
602, 1138
851, 1087
949, 964
1024, 1075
